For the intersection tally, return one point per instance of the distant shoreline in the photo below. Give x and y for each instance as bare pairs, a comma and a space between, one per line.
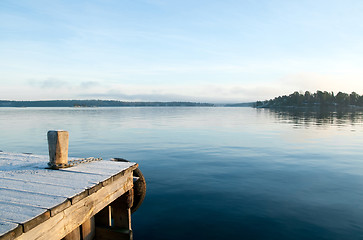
96, 103
111, 103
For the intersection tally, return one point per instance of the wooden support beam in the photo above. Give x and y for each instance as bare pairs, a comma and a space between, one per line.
103, 233
74, 235
88, 229
121, 210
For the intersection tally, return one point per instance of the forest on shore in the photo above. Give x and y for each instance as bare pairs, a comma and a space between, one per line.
318, 99
98, 103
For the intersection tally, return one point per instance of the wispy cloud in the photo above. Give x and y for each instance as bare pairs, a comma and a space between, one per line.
111, 94
89, 84
49, 83
198, 93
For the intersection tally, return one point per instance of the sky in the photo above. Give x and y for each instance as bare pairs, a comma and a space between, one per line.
187, 50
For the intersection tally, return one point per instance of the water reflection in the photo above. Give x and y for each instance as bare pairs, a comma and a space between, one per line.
307, 118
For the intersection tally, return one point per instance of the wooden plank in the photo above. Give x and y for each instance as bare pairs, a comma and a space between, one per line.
5, 226
110, 165
88, 229
41, 188
60, 207
70, 184
79, 196
74, 193
14, 161
63, 223
57, 177
31, 199
107, 181
28, 216
101, 167
103, 233
9, 230
95, 188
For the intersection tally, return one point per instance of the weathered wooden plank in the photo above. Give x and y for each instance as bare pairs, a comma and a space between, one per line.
28, 216
101, 167
15, 161
79, 196
54, 203
56, 177
41, 188
103, 233
29, 198
60, 207
66, 182
88, 229
9, 230
5, 226
95, 188
66, 221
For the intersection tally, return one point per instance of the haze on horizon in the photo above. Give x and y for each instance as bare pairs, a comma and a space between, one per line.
160, 50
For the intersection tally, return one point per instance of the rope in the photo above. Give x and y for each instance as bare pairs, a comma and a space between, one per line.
72, 163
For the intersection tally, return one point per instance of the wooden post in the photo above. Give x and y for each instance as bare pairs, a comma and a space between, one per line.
121, 210
120, 228
88, 229
74, 235
58, 148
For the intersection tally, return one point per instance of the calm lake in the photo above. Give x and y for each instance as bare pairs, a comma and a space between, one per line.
219, 173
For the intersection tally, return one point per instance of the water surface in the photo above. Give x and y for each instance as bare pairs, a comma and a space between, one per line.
219, 173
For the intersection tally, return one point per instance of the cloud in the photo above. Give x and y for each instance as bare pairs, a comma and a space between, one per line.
119, 95
56, 83
89, 84
231, 90
53, 83
197, 93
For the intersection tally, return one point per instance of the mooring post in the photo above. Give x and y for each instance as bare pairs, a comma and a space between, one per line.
58, 148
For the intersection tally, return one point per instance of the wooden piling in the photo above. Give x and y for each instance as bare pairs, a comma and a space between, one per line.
58, 148
88, 229
121, 210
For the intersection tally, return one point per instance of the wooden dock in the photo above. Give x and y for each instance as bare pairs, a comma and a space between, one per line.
87, 201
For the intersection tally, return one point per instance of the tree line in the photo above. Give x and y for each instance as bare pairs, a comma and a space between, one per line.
320, 98
98, 103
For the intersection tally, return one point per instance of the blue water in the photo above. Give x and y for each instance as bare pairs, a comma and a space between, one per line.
219, 173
